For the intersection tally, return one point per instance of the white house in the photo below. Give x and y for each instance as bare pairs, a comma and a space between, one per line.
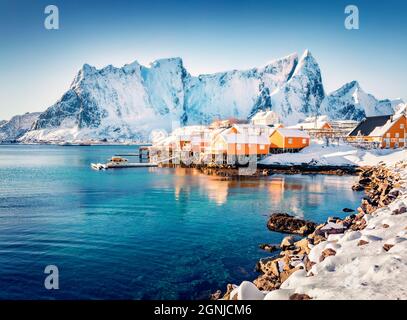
265, 118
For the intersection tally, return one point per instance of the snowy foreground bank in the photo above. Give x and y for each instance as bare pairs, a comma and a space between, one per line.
336, 155
366, 263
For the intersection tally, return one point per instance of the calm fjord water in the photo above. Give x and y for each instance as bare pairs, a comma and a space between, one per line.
143, 233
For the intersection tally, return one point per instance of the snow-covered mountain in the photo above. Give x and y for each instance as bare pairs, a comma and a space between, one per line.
17, 126
350, 102
401, 109
129, 102
302, 94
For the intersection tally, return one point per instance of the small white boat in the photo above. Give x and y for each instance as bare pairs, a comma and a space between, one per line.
119, 162
98, 166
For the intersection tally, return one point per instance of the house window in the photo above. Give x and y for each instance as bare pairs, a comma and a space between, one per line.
397, 135
388, 135
239, 146
262, 147
304, 141
401, 125
290, 141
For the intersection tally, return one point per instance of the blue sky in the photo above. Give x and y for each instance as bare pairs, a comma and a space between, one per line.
38, 65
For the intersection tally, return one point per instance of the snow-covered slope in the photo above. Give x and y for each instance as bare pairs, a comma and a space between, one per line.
318, 154
302, 94
132, 101
350, 102
115, 103
238, 94
17, 126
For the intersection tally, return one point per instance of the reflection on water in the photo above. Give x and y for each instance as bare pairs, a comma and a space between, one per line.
279, 189
145, 233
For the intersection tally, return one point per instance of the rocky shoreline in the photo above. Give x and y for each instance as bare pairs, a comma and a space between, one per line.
381, 185
268, 170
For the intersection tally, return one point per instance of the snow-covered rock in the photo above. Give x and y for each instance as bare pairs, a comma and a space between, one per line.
17, 126
280, 294
368, 271
248, 291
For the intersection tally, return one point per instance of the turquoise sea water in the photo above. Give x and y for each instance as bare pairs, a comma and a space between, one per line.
142, 233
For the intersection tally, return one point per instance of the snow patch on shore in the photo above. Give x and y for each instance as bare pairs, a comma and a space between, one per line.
336, 155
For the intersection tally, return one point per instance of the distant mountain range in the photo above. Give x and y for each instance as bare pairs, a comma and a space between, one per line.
17, 126
128, 103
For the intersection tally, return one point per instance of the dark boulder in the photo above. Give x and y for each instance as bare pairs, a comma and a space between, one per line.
283, 222
300, 296
269, 247
358, 187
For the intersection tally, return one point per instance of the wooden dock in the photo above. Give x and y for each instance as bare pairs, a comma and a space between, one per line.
131, 165
144, 153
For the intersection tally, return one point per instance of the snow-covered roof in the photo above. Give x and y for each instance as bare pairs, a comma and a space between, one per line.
188, 130
294, 133
308, 125
311, 123
245, 138
323, 118
252, 128
401, 109
375, 126
336, 122
381, 131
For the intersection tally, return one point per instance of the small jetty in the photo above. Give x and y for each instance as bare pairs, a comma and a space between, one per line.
143, 154
118, 162
131, 165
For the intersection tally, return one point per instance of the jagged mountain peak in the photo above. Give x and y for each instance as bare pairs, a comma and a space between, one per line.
301, 95
307, 63
88, 69
129, 102
132, 67
307, 55
293, 57
17, 126
351, 102
174, 62
348, 88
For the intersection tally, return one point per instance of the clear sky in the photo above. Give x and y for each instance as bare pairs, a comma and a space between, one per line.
38, 65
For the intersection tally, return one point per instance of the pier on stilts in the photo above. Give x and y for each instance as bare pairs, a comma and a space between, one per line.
143, 154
